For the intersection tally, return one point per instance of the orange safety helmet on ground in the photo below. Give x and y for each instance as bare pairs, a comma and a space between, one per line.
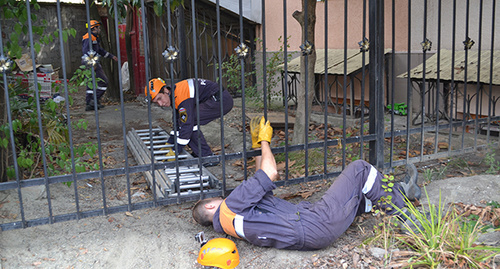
155, 86
219, 252
93, 23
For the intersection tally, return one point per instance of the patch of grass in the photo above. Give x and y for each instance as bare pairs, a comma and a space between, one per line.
493, 164
315, 158
431, 174
432, 237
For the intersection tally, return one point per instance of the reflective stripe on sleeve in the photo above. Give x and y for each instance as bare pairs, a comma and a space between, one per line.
238, 225
191, 87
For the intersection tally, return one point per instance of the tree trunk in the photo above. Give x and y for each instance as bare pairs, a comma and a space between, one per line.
300, 129
113, 90
109, 66
128, 44
181, 35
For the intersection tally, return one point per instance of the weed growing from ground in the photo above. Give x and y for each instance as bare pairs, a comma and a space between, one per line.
432, 237
494, 165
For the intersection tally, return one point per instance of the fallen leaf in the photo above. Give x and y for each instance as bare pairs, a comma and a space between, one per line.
129, 214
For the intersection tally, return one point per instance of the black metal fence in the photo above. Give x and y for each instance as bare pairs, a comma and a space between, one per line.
419, 83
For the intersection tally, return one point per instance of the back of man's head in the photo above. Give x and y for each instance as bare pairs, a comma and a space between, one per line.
201, 214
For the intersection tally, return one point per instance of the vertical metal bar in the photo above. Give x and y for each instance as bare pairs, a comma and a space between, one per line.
423, 87
306, 111
393, 42
344, 90
39, 113
219, 58
264, 58
285, 62
196, 92
148, 96
465, 112
363, 85
122, 107
11, 137
181, 36
491, 69
325, 93
68, 118
452, 84
243, 118
376, 74
478, 83
98, 132
172, 87
438, 83
408, 86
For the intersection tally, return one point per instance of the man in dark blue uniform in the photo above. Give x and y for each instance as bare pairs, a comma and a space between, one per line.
251, 212
102, 81
186, 92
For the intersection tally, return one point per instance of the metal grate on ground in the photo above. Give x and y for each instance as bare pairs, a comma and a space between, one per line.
190, 179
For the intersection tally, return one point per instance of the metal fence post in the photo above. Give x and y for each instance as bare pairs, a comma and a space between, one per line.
376, 75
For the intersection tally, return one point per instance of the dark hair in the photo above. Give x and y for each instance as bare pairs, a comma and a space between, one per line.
200, 214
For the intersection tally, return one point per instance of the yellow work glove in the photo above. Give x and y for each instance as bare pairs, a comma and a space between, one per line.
254, 131
265, 131
170, 152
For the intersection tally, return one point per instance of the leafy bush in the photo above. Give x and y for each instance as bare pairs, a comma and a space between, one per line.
25, 127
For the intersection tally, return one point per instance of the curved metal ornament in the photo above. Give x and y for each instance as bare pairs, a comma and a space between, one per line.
364, 45
5, 64
91, 58
170, 54
307, 48
242, 50
468, 43
426, 45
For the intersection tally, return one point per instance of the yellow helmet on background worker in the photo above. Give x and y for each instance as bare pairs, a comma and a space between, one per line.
155, 86
93, 23
219, 252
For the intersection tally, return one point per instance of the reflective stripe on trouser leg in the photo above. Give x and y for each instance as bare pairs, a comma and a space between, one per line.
375, 191
368, 187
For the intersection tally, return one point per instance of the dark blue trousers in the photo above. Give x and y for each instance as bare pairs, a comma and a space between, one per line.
102, 85
325, 220
209, 111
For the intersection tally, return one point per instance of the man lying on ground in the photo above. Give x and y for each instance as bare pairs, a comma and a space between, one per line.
251, 212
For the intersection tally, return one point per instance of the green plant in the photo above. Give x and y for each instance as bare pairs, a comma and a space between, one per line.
232, 74
83, 77
55, 130
17, 12
274, 62
494, 165
433, 237
434, 173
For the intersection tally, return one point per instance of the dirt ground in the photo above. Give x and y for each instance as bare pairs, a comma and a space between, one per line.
163, 237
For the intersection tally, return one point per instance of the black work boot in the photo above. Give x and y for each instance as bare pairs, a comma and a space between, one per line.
409, 183
89, 107
99, 105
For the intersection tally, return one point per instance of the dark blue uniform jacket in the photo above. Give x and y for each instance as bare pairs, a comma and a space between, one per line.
268, 221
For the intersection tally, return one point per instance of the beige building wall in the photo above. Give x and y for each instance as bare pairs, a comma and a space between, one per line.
478, 30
